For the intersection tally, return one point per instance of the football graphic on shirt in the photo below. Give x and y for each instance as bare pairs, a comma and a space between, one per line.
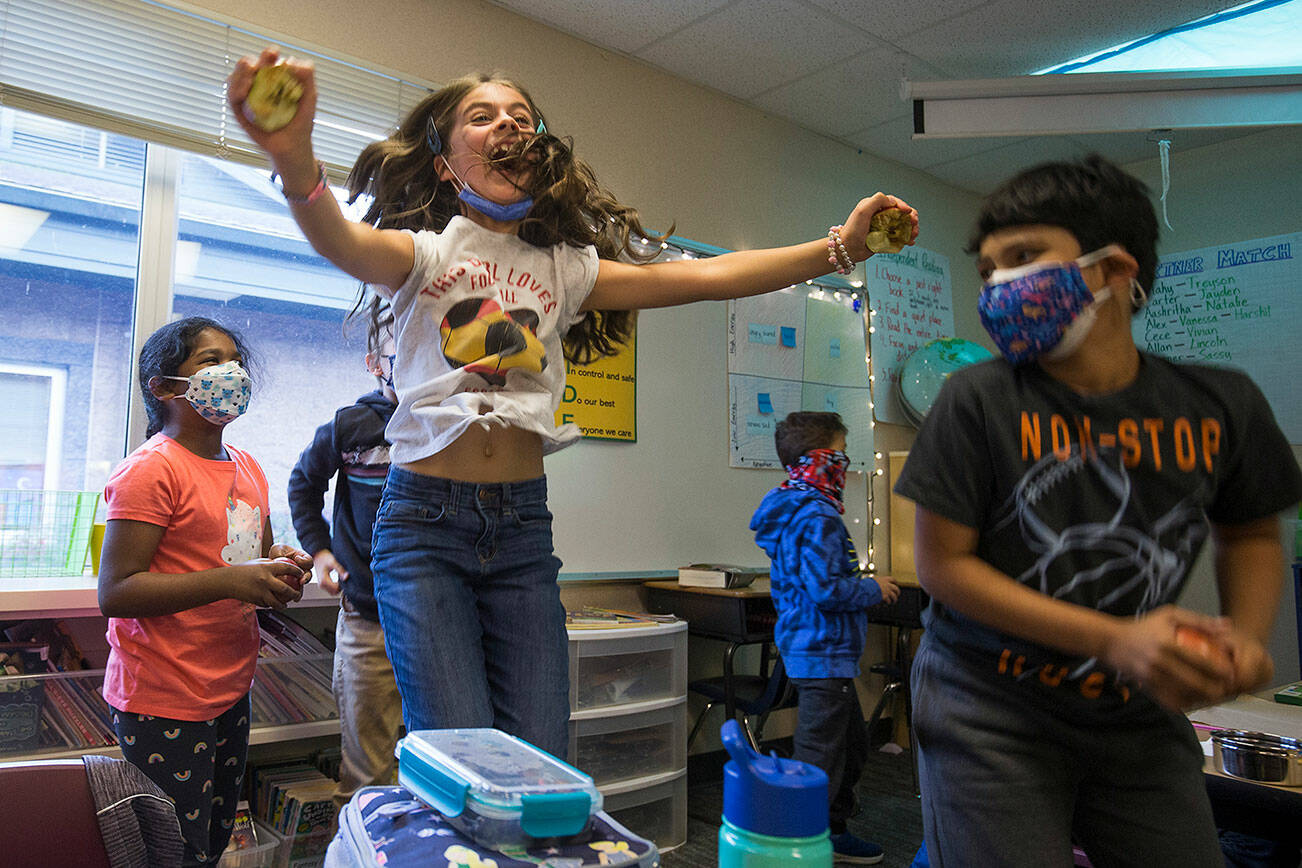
482, 338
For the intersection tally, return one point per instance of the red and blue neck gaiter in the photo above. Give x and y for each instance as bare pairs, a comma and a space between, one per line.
821, 470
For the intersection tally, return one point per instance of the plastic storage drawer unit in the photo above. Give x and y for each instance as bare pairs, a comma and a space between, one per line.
626, 665
654, 808
645, 739
496, 789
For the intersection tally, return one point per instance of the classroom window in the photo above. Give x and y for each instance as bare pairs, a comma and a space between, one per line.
242, 261
80, 242
69, 219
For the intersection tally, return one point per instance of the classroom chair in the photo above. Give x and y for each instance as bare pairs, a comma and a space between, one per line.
51, 819
754, 696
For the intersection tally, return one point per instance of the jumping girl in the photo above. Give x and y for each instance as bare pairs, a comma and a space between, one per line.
500, 255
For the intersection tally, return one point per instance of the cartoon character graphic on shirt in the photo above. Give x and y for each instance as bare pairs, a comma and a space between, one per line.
243, 532
480, 336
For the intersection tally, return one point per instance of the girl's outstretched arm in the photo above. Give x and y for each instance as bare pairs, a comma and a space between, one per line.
378, 256
621, 286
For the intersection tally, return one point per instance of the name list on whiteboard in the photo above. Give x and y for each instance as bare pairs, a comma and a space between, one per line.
1232, 305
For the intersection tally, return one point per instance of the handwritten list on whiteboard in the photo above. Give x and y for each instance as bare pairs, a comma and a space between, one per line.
914, 303
1233, 305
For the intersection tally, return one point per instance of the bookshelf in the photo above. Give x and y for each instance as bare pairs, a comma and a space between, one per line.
291, 695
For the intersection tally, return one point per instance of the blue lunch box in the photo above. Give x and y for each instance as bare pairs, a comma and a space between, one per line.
497, 789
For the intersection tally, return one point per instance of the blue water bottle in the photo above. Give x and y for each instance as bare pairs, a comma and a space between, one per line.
774, 810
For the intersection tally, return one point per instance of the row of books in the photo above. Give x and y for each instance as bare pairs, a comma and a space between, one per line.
282, 636
293, 691
76, 713
294, 798
292, 685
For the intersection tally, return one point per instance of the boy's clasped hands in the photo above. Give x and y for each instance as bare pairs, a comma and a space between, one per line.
1185, 660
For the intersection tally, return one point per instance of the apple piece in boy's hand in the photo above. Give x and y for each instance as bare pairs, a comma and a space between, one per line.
273, 97
1201, 643
889, 230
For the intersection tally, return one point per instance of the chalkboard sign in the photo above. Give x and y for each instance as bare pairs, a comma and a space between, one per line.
1234, 305
910, 294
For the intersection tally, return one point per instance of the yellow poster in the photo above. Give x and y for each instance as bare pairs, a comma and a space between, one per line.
601, 398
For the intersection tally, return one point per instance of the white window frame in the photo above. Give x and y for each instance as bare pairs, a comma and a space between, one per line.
58, 378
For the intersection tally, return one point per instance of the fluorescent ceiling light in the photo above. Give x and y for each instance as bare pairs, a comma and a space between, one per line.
1268, 31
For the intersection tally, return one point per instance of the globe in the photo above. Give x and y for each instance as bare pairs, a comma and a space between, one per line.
925, 370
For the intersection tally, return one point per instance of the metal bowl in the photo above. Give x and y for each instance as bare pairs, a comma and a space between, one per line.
1258, 756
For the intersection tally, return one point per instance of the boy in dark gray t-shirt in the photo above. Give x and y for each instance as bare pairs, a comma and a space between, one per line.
1063, 492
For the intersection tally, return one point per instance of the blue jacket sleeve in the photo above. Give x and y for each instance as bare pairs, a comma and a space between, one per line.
825, 571
308, 483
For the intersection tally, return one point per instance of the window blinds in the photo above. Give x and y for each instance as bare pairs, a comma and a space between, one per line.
158, 73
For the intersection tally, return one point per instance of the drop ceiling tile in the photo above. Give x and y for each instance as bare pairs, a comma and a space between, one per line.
893, 140
982, 172
622, 25
753, 46
893, 20
850, 95
1017, 37
1131, 147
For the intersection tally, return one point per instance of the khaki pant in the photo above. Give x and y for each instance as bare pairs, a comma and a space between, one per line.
370, 709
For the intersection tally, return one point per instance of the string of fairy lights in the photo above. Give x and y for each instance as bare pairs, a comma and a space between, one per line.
848, 291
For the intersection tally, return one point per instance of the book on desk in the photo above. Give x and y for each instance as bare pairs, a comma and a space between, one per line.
719, 575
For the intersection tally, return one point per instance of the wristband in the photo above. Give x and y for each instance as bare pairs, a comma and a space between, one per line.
322, 184
837, 256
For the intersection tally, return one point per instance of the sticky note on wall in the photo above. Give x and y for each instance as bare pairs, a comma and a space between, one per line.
759, 333
788, 336
834, 348
765, 402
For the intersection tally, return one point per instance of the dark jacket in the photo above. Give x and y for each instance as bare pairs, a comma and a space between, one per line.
351, 450
818, 590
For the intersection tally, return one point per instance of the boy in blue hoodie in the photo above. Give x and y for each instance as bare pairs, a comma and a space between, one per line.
351, 450
821, 596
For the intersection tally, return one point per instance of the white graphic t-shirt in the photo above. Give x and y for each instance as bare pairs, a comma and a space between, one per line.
478, 325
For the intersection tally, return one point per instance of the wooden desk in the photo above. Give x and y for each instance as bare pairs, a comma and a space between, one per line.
746, 616
742, 616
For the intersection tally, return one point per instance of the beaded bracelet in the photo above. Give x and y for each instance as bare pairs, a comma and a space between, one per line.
837, 256
322, 184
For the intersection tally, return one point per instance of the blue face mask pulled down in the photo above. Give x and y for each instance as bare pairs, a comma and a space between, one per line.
502, 213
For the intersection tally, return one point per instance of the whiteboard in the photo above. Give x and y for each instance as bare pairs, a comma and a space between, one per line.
796, 350
913, 303
1234, 305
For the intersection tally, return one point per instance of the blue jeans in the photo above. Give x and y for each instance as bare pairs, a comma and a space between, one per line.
830, 733
473, 623
1007, 783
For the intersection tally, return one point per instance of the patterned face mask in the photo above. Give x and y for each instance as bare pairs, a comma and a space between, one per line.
220, 393
1043, 309
822, 470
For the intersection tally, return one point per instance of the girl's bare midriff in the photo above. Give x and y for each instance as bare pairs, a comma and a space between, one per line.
496, 454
